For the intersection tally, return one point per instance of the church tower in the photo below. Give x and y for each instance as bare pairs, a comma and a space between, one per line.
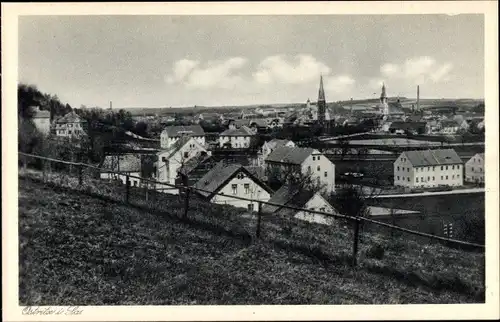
321, 103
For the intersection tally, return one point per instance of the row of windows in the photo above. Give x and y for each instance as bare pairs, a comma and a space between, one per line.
429, 178
480, 169
246, 186
318, 168
316, 157
69, 132
429, 168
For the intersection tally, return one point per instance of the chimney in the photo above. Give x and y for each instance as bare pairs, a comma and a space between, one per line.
418, 97
110, 105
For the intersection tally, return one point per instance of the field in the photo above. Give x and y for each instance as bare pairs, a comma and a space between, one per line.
78, 248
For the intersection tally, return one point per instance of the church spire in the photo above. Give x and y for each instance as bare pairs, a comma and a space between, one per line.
321, 93
383, 95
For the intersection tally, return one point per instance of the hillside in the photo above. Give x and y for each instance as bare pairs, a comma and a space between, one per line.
77, 248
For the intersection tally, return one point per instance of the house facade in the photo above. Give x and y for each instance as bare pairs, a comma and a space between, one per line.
224, 182
449, 127
171, 134
41, 119
269, 146
428, 168
296, 197
170, 160
306, 161
70, 125
474, 169
239, 138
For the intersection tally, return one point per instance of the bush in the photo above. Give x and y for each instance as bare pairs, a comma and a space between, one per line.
376, 251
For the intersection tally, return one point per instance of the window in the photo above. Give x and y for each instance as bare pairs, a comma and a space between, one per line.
69, 131
250, 206
446, 177
407, 169
398, 177
322, 209
446, 167
417, 179
480, 169
428, 178
408, 179
441, 177
247, 188
314, 158
433, 168
235, 188
416, 169
326, 174
135, 183
422, 179
318, 168
309, 168
186, 154
441, 167
433, 179
398, 168
453, 176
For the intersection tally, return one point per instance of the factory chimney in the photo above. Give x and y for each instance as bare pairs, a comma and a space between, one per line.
418, 97
110, 105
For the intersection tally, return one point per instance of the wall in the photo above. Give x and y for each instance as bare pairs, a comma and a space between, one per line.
433, 176
42, 124
166, 141
123, 178
404, 172
474, 169
69, 129
237, 142
255, 192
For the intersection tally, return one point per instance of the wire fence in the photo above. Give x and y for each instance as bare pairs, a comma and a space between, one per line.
183, 201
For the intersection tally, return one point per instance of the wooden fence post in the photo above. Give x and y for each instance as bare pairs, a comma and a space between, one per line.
25, 165
127, 189
259, 215
43, 170
355, 243
80, 175
186, 203
146, 187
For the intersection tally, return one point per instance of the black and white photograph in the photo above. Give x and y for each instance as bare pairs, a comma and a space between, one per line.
251, 159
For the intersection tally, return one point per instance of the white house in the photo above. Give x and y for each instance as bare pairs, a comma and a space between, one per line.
128, 164
307, 161
449, 127
269, 146
41, 119
70, 125
223, 182
171, 160
428, 168
292, 196
239, 138
474, 169
171, 134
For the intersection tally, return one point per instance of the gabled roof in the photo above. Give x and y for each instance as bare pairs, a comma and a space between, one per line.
71, 117
259, 122
181, 142
289, 155
288, 195
433, 157
181, 130
192, 163
242, 131
122, 163
220, 175
276, 143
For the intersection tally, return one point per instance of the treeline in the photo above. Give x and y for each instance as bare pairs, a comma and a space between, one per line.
29, 95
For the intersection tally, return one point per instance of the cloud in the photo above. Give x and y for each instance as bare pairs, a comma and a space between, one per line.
214, 74
416, 70
300, 70
339, 84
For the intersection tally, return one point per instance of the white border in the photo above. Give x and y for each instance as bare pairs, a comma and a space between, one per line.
12, 312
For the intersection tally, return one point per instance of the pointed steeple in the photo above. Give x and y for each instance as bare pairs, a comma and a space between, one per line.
383, 95
321, 93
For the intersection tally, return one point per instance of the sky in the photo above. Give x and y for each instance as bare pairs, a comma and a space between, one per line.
162, 61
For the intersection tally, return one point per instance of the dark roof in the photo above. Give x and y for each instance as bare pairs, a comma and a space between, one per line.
183, 140
192, 163
180, 130
71, 117
449, 123
433, 157
288, 195
414, 118
242, 131
220, 174
289, 155
122, 163
259, 122
276, 143
257, 171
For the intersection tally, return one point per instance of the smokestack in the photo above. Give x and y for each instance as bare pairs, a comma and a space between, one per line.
110, 104
418, 97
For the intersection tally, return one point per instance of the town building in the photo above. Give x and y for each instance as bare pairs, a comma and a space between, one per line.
224, 182
41, 119
118, 167
400, 127
321, 103
239, 138
294, 196
170, 160
428, 168
474, 169
172, 134
70, 125
270, 146
448, 127
307, 162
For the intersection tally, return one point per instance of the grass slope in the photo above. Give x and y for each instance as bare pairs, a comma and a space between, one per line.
79, 249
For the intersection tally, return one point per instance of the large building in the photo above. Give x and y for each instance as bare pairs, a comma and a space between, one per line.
172, 134
236, 138
474, 169
71, 125
305, 161
428, 168
41, 119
